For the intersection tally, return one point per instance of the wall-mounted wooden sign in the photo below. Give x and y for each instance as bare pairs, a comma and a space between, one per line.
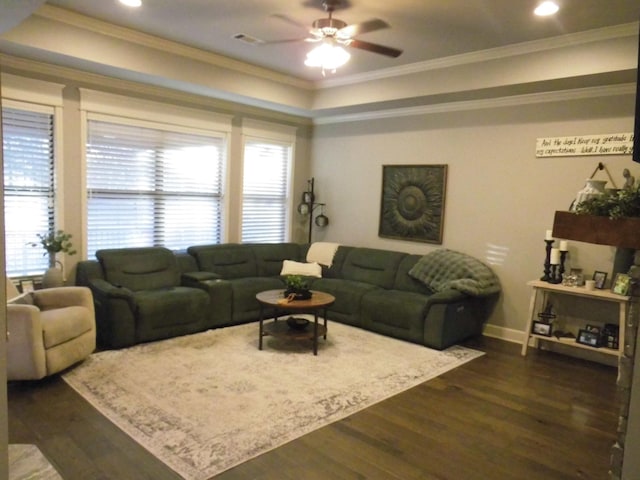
608, 144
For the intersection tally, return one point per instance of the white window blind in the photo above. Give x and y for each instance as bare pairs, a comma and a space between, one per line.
265, 191
152, 186
28, 187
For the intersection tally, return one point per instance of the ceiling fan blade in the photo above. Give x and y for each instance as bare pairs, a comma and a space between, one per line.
375, 48
290, 21
351, 31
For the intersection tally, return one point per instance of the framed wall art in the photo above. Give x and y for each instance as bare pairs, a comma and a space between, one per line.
413, 199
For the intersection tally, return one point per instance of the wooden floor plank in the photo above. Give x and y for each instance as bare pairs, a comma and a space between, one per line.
503, 417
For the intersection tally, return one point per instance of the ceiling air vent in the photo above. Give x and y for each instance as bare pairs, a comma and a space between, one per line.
248, 39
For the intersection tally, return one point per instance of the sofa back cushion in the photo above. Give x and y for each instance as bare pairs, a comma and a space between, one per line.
229, 260
270, 256
406, 282
140, 268
369, 265
335, 270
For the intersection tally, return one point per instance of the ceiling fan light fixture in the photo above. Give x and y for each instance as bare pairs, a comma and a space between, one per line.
131, 3
546, 8
327, 57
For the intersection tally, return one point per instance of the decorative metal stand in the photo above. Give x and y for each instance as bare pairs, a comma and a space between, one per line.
308, 205
547, 262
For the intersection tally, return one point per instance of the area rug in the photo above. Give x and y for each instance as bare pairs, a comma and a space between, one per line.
204, 403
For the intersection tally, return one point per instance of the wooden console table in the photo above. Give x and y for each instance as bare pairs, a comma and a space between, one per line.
539, 297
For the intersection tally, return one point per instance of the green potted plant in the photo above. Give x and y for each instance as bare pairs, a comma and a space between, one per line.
297, 286
54, 242
620, 204
607, 219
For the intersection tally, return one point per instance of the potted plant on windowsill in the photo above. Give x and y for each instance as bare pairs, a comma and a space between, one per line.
54, 242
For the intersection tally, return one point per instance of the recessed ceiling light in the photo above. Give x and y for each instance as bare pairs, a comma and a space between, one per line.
546, 9
131, 3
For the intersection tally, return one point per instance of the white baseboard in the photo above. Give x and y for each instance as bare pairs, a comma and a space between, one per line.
507, 334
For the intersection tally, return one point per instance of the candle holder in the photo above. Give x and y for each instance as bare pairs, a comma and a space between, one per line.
547, 262
555, 276
563, 256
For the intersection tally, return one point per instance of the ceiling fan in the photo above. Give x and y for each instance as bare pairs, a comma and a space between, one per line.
338, 32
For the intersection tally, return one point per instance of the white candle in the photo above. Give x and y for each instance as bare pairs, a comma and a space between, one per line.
548, 235
564, 246
555, 256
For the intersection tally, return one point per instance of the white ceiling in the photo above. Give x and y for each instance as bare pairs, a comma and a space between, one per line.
424, 29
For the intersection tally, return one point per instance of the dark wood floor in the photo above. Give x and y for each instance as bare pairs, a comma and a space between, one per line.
499, 417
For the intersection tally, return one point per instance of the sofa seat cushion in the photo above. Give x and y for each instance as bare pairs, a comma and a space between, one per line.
63, 324
171, 306
348, 293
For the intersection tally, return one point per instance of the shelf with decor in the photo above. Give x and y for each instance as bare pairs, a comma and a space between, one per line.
541, 291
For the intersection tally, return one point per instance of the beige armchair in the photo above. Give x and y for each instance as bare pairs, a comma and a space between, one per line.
49, 330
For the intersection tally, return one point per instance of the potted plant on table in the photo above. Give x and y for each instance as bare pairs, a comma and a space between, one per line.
54, 242
297, 286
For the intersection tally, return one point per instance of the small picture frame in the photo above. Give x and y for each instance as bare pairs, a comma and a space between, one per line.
541, 328
600, 278
592, 328
621, 284
26, 286
588, 338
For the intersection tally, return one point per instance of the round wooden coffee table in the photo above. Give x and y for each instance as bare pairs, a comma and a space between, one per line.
274, 299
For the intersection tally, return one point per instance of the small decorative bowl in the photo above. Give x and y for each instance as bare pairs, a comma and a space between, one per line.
296, 323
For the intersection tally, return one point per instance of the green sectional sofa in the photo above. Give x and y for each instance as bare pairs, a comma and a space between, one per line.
393, 293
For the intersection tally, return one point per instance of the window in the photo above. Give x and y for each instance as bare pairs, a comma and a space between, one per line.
28, 186
152, 185
264, 192
266, 185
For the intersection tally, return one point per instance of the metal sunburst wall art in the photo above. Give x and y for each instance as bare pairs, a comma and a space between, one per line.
413, 198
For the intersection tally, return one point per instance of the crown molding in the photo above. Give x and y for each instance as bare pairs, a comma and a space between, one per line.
510, 101
534, 46
82, 78
94, 25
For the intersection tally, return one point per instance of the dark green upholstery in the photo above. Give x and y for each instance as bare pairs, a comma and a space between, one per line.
373, 290
243, 270
368, 265
140, 268
147, 294
348, 293
139, 297
227, 260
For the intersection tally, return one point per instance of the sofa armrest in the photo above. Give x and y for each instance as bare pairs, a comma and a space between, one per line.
447, 296
115, 319
25, 345
104, 289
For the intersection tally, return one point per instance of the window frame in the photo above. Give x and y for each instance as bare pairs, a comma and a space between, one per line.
41, 97
119, 109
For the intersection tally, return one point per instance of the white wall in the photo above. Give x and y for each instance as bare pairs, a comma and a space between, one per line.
500, 197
